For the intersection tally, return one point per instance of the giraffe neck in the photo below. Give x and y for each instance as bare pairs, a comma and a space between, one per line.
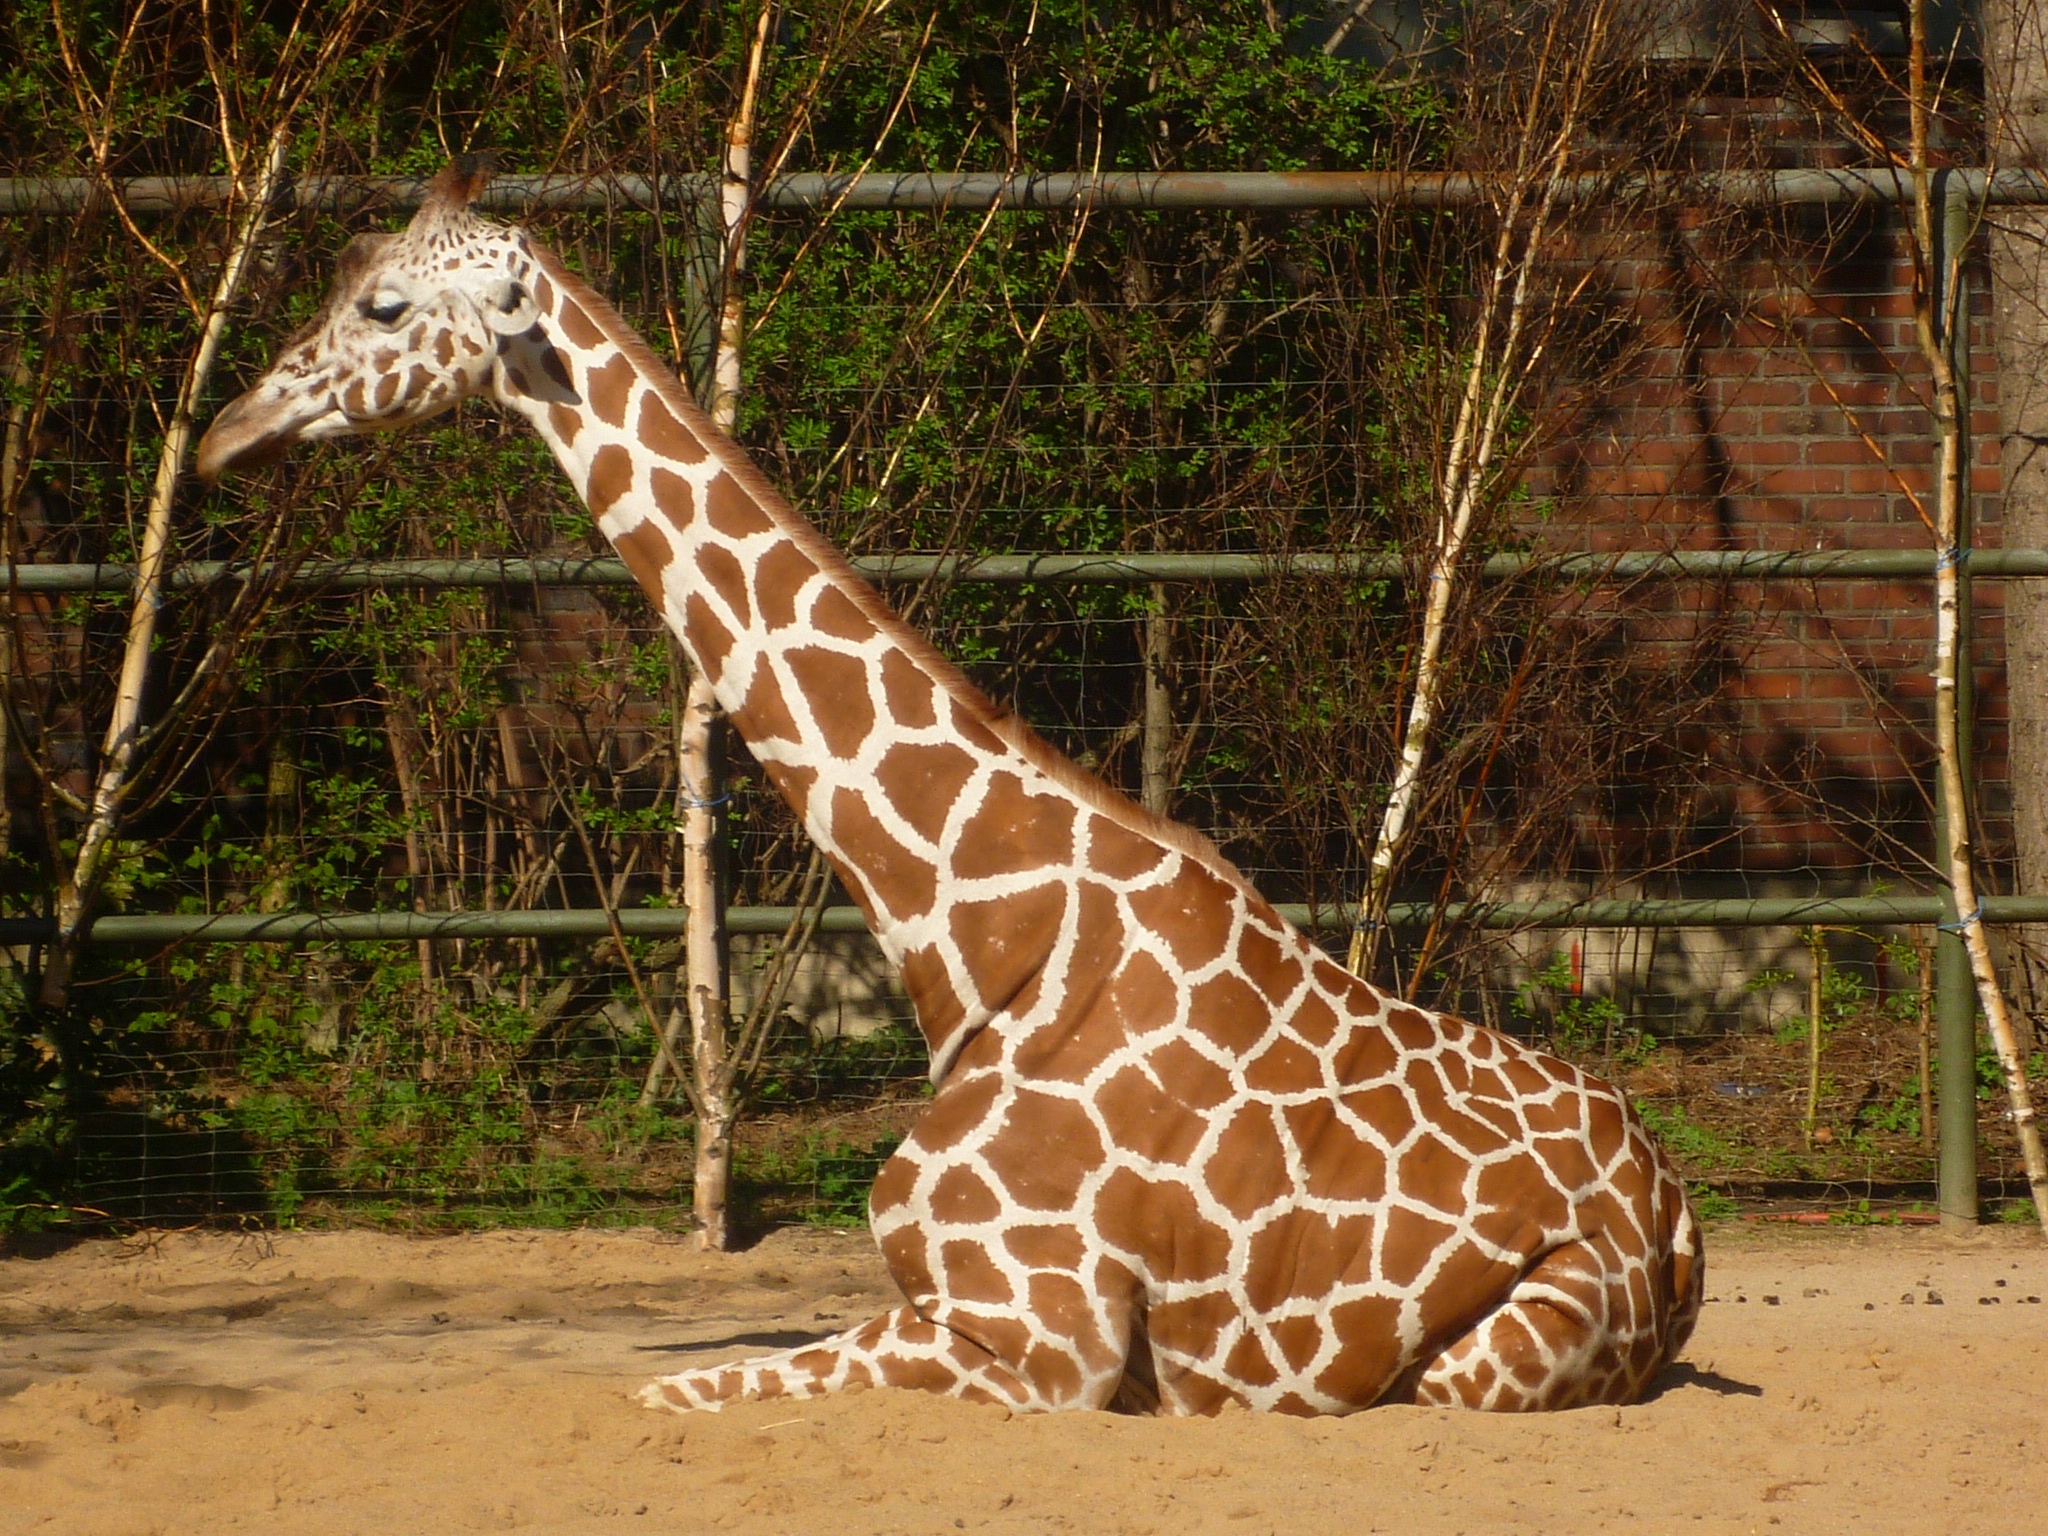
943, 816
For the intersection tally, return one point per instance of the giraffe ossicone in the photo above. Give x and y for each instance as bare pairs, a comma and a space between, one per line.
1177, 1157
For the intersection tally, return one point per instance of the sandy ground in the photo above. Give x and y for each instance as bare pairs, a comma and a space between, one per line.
364, 1382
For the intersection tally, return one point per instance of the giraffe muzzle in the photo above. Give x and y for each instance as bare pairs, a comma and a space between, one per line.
249, 433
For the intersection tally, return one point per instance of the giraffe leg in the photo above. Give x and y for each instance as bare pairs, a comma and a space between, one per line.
897, 1349
1571, 1333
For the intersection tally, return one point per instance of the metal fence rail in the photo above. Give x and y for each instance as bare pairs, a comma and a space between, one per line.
967, 191
668, 922
1087, 569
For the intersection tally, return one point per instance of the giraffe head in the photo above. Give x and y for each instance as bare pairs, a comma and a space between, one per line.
414, 322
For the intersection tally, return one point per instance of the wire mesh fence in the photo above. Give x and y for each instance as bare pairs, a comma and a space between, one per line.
511, 749
325, 1084
1194, 382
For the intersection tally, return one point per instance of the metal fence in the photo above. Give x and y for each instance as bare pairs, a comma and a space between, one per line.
265, 1079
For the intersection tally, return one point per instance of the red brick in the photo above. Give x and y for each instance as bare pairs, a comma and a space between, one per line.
1801, 482
1839, 450
1781, 450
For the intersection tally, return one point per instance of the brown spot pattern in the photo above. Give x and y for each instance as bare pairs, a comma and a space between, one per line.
1198, 1081
834, 613
673, 497
609, 388
1187, 912
971, 1275
1119, 853
721, 568
922, 780
1013, 831
1227, 1011
1353, 1147
1158, 1221
579, 329
1273, 971
779, 577
732, 511
611, 476
907, 692
1003, 942
709, 638
837, 687
1283, 1067
1143, 1118
963, 1198
906, 885
647, 554
1249, 1170
765, 716
1052, 1246
939, 1009
665, 435
1046, 1146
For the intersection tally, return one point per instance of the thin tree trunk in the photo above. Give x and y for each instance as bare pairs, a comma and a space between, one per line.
707, 1000
1816, 1008
402, 736
706, 963
1492, 380
79, 889
281, 787
1938, 333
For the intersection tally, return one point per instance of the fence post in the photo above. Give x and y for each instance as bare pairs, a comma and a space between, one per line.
1955, 988
1155, 744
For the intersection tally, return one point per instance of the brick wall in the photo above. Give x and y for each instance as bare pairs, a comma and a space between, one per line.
1775, 401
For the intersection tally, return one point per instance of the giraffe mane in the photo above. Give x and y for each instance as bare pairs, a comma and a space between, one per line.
1090, 790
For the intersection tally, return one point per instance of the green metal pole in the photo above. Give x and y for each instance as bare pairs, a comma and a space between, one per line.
1955, 990
667, 922
1067, 569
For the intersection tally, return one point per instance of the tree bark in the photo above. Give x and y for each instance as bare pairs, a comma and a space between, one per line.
707, 1000
706, 964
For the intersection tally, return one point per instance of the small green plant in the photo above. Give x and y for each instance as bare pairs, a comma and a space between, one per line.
1710, 1204
1695, 1146
1579, 1024
845, 1176
831, 1176
2018, 1213
1901, 1117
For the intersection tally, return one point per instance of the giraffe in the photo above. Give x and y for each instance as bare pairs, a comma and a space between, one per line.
1176, 1157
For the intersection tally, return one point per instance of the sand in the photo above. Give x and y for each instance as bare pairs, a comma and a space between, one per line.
367, 1382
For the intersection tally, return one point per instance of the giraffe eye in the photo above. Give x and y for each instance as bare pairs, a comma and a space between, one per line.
385, 310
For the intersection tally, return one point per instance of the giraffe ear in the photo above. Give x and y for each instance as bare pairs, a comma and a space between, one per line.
507, 307
459, 183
